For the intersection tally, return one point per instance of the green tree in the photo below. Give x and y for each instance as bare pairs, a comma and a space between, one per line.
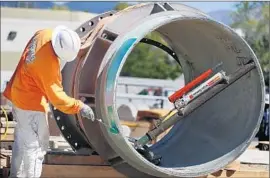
121, 6
60, 7
147, 61
253, 19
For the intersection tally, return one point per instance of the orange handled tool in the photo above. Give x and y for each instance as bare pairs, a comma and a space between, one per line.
179, 93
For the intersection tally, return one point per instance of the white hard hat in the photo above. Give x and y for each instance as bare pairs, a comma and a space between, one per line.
66, 43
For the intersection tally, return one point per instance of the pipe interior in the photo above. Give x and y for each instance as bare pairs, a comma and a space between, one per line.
229, 119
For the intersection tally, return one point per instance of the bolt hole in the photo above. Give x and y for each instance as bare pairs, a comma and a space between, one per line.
91, 23
76, 144
63, 128
58, 118
82, 29
111, 14
173, 54
100, 18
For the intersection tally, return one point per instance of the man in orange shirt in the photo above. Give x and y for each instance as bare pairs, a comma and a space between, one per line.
36, 81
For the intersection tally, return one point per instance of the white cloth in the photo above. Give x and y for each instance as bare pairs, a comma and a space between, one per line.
126, 130
30, 143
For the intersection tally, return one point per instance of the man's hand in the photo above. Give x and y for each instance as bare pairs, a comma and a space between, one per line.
87, 112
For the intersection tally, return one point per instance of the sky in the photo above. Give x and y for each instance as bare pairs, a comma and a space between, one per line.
212, 6
203, 6
208, 6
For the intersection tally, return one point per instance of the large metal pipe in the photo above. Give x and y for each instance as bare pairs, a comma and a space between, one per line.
203, 142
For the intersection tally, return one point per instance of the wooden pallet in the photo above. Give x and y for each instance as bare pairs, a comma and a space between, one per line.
83, 171
54, 171
70, 158
9, 131
5, 157
240, 173
236, 169
64, 164
9, 137
71, 165
60, 164
10, 124
71, 171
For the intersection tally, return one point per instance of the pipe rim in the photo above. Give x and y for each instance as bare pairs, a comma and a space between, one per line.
110, 88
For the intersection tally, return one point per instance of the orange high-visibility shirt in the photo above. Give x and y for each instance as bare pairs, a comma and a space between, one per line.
37, 79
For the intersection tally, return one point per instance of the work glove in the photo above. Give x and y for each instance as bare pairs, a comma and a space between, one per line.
87, 112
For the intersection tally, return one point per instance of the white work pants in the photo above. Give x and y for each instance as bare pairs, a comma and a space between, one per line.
31, 141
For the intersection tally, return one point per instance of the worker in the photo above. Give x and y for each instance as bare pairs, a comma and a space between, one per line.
36, 82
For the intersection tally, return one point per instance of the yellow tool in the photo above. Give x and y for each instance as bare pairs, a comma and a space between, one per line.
5, 113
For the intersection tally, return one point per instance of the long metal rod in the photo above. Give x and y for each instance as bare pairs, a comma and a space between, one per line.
191, 107
161, 46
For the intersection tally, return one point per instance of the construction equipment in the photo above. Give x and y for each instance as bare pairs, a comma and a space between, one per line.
218, 125
182, 104
181, 99
178, 94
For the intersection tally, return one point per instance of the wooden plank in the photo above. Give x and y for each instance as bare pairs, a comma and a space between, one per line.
264, 142
11, 124
7, 108
54, 171
143, 124
5, 158
234, 166
237, 169
106, 171
59, 145
3, 119
242, 174
9, 130
64, 171
58, 142
6, 152
6, 138
57, 138
5, 162
74, 160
